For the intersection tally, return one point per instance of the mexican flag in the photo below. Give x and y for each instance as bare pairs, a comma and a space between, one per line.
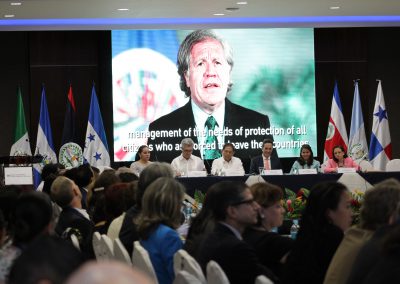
21, 146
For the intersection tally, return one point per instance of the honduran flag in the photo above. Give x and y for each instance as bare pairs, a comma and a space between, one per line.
380, 148
336, 134
44, 141
96, 147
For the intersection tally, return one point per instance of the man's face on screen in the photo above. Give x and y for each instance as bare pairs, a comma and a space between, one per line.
208, 75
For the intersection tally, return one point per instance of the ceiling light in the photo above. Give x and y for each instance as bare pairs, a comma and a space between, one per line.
8, 16
123, 9
242, 3
15, 3
219, 14
334, 8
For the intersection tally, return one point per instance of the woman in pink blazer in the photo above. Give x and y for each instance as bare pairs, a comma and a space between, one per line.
339, 160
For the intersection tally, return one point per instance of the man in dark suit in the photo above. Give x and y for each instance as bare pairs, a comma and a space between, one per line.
235, 210
204, 64
268, 160
68, 196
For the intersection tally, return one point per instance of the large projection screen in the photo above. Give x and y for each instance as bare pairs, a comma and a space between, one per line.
273, 74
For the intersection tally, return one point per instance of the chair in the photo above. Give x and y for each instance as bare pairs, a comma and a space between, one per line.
262, 279
115, 227
215, 274
393, 165
120, 252
366, 166
185, 262
75, 241
141, 260
107, 247
98, 252
184, 277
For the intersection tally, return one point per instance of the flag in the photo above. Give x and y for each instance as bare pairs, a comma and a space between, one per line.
358, 146
44, 141
96, 147
69, 134
380, 148
21, 146
336, 134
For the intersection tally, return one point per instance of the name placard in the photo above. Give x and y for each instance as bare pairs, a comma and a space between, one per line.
273, 172
308, 171
18, 175
197, 173
346, 170
230, 173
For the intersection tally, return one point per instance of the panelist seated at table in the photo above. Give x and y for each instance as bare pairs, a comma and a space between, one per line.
227, 164
305, 161
339, 160
187, 162
268, 160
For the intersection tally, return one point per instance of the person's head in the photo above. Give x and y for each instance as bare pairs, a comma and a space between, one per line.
267, 147
328, 203
161, 204
32, 216
269, 197
236, 205
187, 147
381, 205
150, 174
143, 154
115, 203
84, 175
306, 155
65, 193
204, 66
228, 151
51, 169
338, 153
126, 174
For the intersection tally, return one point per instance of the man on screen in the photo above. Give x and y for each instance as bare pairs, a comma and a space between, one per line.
204, 64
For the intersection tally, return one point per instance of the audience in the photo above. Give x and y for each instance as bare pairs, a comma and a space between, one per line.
157, 224
83, 178
326, 216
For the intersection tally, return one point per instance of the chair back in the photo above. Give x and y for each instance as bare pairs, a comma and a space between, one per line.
141, 260
107, 246
184, 277
75, 241
393, 165
96, 242
185, 262
215, 274
262, 279
120, 252
366, 166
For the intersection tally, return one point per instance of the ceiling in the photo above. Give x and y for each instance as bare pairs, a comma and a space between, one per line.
104, 14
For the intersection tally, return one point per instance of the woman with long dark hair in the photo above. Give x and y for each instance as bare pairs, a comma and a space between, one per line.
306, 160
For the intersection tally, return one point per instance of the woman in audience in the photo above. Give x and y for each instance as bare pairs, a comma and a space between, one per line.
380, 208
157, 224
326, 216
142, 159
271, 248
339, 160
306, 160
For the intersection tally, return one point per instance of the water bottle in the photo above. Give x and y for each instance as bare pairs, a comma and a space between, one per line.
294, 229
188, 211
274, 230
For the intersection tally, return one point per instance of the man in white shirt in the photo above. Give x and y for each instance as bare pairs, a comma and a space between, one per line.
227, 164
187, 162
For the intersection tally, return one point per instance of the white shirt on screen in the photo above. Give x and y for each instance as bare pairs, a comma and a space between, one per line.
183, 166
235, 165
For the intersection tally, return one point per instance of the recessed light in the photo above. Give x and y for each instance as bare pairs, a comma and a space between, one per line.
219, 14
123, 9
242, 3
334, 8
9, 16
15, 3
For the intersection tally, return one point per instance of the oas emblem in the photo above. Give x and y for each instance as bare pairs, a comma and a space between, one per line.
331, 131
70, 155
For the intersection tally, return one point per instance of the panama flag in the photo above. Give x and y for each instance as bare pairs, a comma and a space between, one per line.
21, 146
336, 134
44, 141
96, 147
358, 146
380, 148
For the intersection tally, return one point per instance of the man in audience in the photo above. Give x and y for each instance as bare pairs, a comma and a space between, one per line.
268, 160
68, 196
227, 164
187, 162
235, 211
84, 176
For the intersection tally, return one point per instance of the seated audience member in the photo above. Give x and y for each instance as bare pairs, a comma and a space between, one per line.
106, 272
126, 174
157, 224
31, 218
339, 160
271, 248
47, 170
68, 196
8, 199
236, 210
306, 160
142, 160
380, 207
187, 162
227, 163
326, 216
268, 160
128, 233
83, 178
48, 259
